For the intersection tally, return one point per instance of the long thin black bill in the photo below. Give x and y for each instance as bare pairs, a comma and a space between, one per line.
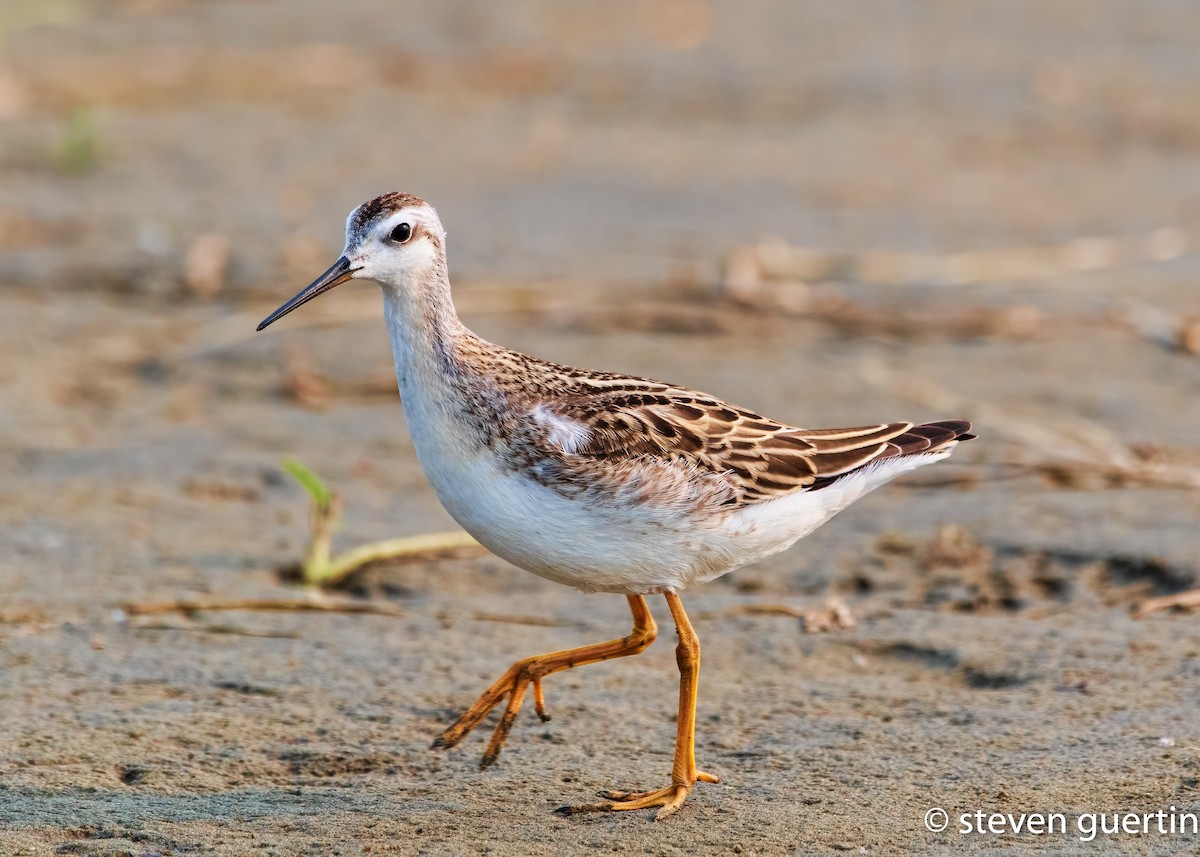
338, 273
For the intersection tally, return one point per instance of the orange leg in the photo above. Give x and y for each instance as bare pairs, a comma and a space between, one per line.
530, 672
684, 775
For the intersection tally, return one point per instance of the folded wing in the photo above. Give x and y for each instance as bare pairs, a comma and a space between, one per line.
760, 458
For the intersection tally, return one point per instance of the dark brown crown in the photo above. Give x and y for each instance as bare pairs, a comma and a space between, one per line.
380, 206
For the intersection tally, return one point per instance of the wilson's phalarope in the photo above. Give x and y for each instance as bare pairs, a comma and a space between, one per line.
600, 481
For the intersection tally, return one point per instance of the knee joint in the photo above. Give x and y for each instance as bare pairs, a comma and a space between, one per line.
687, 653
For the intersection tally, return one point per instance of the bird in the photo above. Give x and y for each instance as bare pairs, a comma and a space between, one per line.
600, 481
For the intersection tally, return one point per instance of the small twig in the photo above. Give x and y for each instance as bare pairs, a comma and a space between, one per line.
1189, 600
539, 621
145, 608
756, 610
218, 629
833, 616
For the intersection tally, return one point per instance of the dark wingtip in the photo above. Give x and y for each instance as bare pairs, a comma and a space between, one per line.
929, 437
957, 427
920, 439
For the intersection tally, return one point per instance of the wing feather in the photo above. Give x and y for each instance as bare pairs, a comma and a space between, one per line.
759, 458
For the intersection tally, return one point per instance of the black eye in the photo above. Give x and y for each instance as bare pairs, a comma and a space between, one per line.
401, 233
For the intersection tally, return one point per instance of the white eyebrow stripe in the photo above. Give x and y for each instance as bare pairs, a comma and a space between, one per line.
567, 434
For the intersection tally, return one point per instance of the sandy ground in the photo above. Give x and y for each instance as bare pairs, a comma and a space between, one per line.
594, 168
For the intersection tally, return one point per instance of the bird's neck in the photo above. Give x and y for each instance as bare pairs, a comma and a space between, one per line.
424, 330
441, 366
443, 371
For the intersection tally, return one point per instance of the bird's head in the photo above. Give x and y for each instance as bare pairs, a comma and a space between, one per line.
394, 239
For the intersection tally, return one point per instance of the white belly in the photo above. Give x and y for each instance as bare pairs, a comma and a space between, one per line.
611, 547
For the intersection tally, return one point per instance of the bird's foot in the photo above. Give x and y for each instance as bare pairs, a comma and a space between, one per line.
670, 799
529, 672
513, 685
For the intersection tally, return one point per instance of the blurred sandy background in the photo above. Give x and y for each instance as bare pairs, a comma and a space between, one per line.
833, 213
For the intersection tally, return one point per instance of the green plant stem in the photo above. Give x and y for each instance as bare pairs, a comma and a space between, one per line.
321, 569
323, 520
408, 546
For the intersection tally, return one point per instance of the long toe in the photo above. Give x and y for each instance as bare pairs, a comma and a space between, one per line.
612, 794
668, 799
512, 685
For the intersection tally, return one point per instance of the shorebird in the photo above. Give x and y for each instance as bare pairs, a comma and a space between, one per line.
599, 481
